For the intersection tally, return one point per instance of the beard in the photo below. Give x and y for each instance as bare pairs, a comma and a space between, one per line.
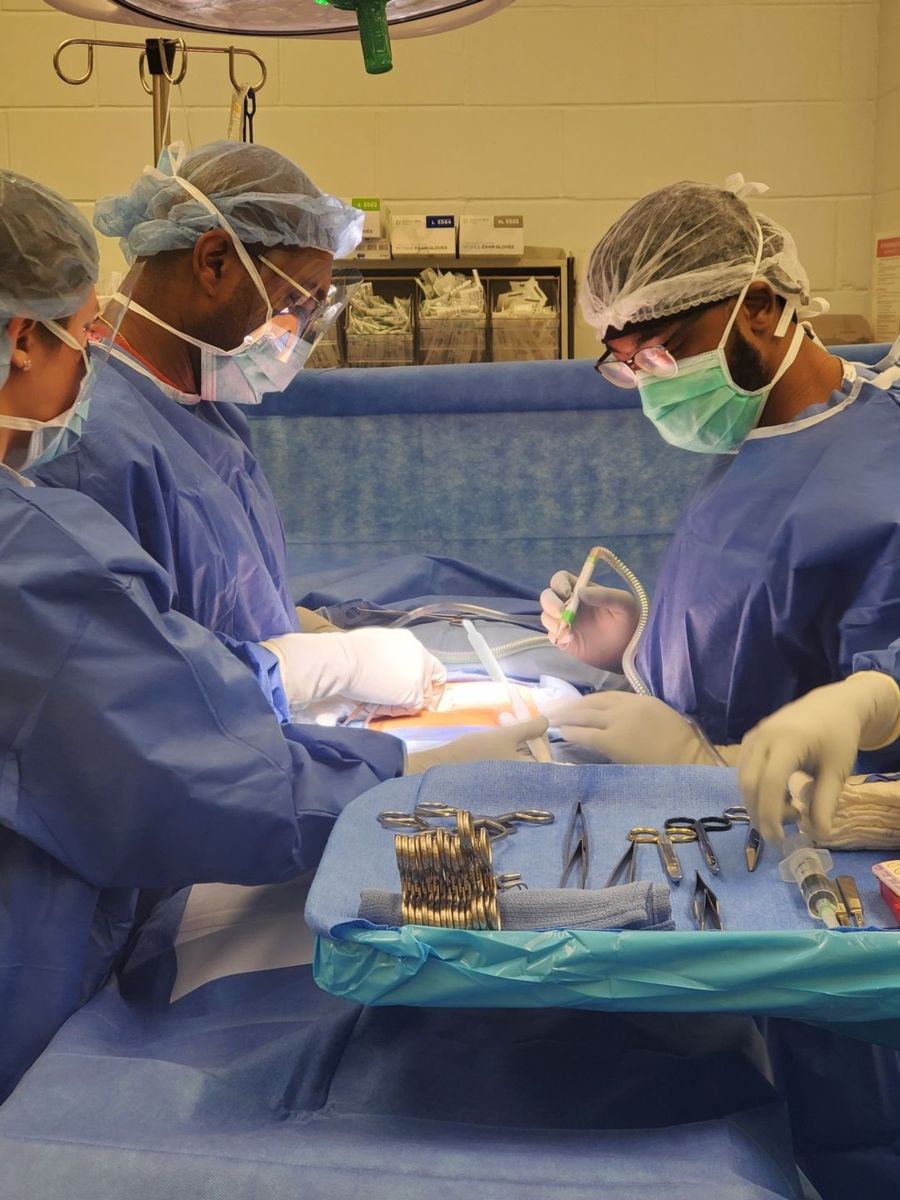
745, 363
228, 327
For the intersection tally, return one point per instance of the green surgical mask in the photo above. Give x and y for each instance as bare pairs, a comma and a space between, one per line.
702, 408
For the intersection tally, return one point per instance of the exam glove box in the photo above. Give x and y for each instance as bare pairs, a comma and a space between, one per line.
491, 235
428, 235
520, 334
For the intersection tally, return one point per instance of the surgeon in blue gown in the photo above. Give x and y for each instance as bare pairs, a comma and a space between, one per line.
783, 575
770, 634
166, 450
232, 249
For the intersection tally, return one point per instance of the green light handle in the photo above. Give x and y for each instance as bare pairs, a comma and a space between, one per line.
373, 33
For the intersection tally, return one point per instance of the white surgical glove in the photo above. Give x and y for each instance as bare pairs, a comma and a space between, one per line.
387, 668
820, 733
626, 728
603, 626
494, 745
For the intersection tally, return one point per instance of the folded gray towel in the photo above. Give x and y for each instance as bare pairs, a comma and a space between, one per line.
641, 905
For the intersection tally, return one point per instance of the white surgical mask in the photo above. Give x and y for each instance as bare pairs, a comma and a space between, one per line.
51, 438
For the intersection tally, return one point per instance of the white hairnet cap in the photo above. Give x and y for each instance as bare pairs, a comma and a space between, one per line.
48, 256
266, 199
685, 245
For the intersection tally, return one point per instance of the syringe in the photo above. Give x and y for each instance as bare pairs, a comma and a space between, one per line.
807, 866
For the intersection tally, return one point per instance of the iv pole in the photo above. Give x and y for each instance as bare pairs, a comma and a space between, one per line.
158, 56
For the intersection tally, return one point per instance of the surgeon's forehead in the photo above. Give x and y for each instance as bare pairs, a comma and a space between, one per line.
303, 263
638, 334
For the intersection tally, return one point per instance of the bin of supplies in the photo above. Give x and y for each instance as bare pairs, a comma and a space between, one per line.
327, 351
525, 319
379, 327
452, 317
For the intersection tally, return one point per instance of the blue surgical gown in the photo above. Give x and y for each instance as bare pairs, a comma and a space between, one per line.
183, 481
135, 752
785, 567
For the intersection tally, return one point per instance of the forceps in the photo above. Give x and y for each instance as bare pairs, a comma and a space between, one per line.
576, 851
705, 905
738, 815
663, 840
700, 827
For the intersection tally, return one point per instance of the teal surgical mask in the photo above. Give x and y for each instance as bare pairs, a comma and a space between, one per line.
701, 408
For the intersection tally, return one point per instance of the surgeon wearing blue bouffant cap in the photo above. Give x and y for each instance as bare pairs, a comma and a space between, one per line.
772, 640
231, 249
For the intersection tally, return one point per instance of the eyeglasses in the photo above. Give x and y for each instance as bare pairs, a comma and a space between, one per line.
654, 360
310, 315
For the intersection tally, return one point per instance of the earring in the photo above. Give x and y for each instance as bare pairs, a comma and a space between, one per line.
25, 365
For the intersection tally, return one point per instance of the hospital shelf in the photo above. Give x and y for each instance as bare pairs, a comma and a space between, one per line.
497, 338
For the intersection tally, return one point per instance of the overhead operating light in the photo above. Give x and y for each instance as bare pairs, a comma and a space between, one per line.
374, 22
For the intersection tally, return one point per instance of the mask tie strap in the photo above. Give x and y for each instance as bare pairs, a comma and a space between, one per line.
239, 248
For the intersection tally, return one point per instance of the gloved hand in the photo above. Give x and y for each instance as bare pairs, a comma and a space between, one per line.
604, 624
384, 667
626, 728
820, 733
494, 745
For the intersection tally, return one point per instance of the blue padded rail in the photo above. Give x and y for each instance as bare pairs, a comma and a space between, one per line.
517, 468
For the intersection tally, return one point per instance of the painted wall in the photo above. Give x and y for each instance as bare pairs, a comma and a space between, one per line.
566, 110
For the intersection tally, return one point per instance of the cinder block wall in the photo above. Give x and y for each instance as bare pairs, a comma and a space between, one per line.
565, 110
887, 133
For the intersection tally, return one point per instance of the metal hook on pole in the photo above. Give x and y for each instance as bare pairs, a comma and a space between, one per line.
90, 61
156, 67
159, 60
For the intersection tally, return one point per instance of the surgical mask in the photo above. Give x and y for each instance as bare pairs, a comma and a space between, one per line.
271, 356
701, 408
51, 438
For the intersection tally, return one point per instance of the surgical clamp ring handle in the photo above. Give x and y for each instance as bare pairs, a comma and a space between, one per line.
663, 839
701, 828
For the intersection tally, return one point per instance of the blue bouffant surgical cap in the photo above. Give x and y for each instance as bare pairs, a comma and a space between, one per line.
265, 198
48, 256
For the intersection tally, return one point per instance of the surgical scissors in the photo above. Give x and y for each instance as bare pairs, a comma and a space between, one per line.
739, 815
700, 827
646, 834
642, 835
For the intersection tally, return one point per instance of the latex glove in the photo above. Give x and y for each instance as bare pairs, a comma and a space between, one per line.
494, 745
866, 816
604, 624
384, 667
627, 728
820, 734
